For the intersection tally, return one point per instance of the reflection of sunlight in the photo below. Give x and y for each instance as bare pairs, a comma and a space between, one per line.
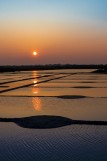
35, 81
35, 74
37, 104
35, 85
35, 90
36, 101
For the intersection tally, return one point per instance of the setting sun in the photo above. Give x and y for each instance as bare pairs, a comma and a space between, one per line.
35, 53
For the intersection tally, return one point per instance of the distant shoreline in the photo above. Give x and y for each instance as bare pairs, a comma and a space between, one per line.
15, 68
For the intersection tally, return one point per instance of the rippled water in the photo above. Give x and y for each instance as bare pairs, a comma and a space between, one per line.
69, 143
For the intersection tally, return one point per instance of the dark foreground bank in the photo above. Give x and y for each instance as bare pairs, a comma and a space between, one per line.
47, 122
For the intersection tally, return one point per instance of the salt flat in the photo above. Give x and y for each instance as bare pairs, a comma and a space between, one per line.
53, 93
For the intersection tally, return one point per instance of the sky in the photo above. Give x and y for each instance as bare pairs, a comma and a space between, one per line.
61, 31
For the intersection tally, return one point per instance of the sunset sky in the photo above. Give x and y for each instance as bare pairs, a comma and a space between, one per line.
61, 31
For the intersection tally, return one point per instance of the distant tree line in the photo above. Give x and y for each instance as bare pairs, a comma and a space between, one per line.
14, 68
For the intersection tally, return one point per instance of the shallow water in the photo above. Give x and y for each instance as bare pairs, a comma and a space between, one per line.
41, 97
76, 143
79, 109
35, 91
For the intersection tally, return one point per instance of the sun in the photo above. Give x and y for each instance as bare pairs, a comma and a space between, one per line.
35, 53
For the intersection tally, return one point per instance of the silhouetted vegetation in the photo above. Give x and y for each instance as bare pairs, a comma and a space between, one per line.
50, 67
101, 71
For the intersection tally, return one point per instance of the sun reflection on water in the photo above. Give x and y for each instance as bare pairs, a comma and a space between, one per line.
36, 101
35, 81
37, 104
35, 90
35, 73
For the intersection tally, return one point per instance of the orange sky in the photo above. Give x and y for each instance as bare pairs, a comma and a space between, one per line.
57, 40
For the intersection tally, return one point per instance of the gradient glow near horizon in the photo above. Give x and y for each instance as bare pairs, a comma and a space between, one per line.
62, 31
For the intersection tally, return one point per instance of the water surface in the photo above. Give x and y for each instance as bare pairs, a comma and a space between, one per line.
56, 93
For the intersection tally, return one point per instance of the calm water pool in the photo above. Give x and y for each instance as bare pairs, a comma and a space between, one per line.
28, 95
